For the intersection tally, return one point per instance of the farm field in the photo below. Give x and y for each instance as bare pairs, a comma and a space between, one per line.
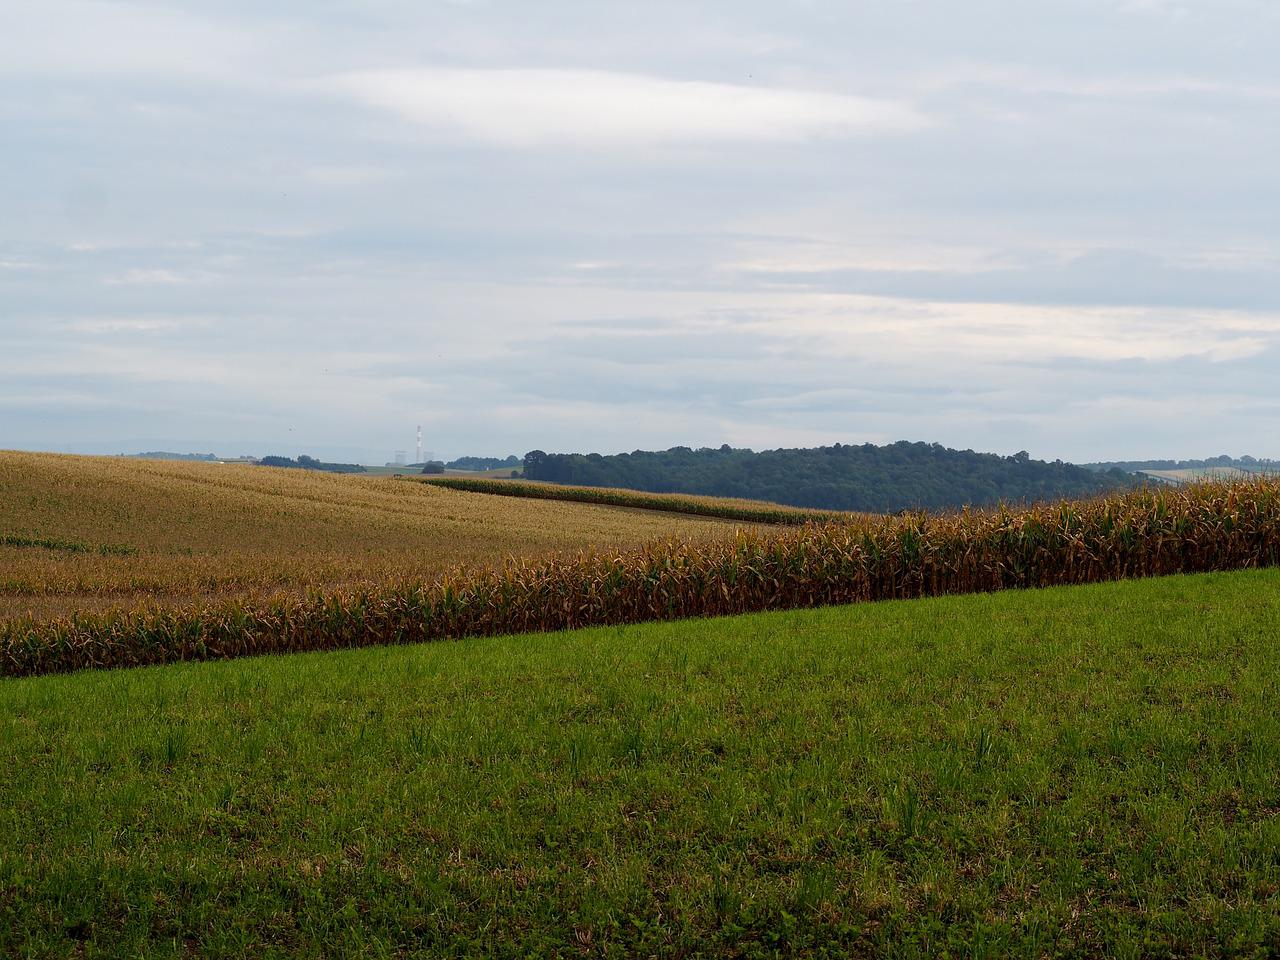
407, 471
124, 532
1077, 771
1141, 533
1198, 474
501, 473
726, 508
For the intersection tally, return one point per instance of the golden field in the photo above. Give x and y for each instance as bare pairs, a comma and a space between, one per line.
1141, 533
178, 533
725, 508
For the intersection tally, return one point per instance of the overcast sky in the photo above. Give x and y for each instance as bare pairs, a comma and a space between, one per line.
998, 224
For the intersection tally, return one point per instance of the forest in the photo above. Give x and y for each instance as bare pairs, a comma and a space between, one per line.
865, 477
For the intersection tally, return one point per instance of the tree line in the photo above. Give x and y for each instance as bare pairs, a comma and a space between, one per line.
865, 477
483, 463
305, 462
1246, 462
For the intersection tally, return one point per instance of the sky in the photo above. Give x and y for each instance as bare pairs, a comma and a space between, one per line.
310, 227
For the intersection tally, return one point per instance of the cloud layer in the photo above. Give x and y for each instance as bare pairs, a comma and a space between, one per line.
598, 108
582, 226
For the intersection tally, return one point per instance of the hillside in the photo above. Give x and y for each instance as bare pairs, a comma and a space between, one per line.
727, 508
1198, 474
120, 531
866, 478
1143, 533
1084, 771
1224, 463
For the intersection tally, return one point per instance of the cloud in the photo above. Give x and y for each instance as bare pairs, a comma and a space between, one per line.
158, 276
349, 175
341, 220
128, 325
76, 38
547, 107
1026, 82
925, 338
1167, 8
1228, 279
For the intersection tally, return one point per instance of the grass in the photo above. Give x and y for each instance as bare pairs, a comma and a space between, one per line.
1083, 771
498, 473
82, 534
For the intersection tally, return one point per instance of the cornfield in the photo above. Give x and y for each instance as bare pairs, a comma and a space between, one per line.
1216, 526
65, 546
724, 508
82, 534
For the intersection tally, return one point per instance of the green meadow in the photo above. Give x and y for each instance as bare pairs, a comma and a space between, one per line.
1082, 771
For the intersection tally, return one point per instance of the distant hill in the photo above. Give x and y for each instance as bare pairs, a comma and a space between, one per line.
166, 455
868, 477
1246, 463
483, 463
305, 462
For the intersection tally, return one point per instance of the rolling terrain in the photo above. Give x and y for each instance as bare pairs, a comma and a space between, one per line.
1197, 474
80, 534
726, 508
1142, 533
863, 478
1070, 771
1080, 771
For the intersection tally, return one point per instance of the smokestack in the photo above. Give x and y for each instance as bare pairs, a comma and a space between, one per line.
419, 460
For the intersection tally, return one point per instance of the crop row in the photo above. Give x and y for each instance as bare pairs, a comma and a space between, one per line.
1143, 533
65, 546
746, 511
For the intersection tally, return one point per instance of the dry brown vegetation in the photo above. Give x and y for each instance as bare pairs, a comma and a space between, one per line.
1143, 533
84, 534
726, 508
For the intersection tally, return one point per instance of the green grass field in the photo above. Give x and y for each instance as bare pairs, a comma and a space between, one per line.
1085, 771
